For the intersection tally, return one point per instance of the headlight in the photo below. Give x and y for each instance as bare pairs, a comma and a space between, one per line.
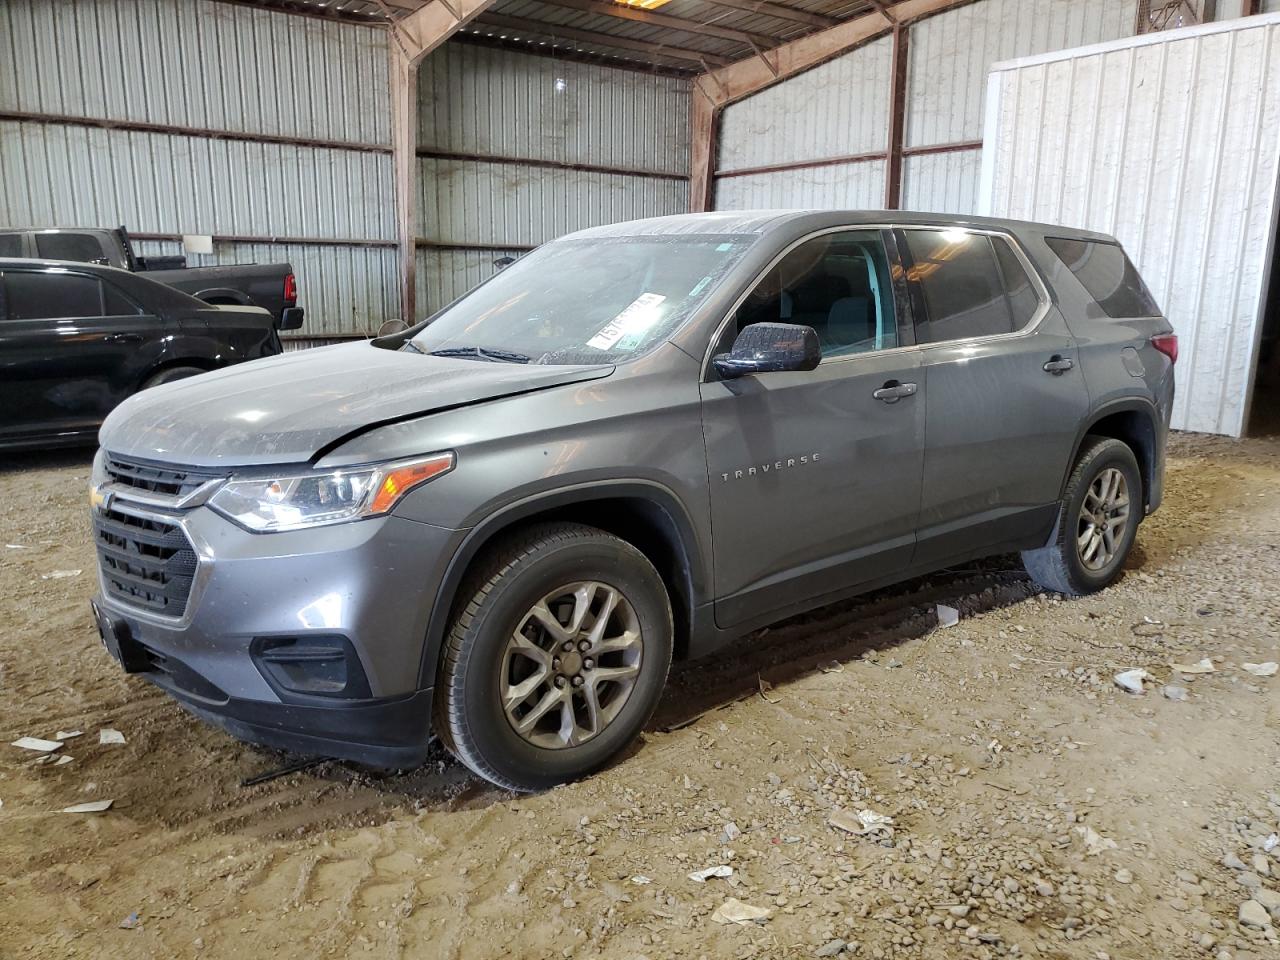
291, 502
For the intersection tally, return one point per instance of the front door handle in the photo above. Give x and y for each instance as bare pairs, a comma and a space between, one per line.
1058, 365
893, 391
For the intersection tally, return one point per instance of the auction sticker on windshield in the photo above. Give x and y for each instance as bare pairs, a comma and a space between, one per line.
637, 317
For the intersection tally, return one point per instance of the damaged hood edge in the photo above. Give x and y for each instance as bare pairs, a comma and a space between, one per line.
297, 407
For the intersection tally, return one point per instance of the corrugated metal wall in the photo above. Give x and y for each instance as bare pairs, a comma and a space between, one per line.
200, 70
839, 109
1171, 142
949, 57
515, 150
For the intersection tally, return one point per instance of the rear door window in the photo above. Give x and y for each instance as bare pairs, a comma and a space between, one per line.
52, 296
1106, 272
837, 283
959, 280
116, 304
80, 247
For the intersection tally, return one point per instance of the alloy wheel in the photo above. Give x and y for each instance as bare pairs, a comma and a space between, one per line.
1104, 517
570, 665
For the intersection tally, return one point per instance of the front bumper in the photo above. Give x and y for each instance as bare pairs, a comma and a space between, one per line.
363, 589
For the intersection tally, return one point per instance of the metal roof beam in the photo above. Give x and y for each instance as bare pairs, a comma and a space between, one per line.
620, 11
778, 12
555, 31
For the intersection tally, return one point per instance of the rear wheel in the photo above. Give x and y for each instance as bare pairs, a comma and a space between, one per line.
169, 374
557, 659
1097, 521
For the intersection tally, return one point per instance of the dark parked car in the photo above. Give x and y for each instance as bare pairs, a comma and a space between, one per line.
76, 339
637, 442
271, 286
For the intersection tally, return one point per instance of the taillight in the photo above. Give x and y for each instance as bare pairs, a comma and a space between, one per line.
290, 288
1167, 343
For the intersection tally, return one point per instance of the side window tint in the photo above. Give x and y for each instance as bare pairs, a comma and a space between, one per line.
10, 244
43, 296
80, 247
1106, 272
961, 284
839, 285
1023, 299
116, 304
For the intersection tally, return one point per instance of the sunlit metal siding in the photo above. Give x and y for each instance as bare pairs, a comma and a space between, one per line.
941, 182
479, 100
1270, 6
1171, 142
194, 63
445, 275
66, 175
846, 186
951, 53
838, 109
500, 204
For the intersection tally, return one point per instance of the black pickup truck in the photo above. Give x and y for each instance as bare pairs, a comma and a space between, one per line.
271, 286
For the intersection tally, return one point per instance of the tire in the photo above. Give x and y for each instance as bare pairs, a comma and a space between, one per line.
559, 569
170, 374
1074, 561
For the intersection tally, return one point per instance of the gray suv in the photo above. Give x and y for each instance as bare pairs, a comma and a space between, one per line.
636, 443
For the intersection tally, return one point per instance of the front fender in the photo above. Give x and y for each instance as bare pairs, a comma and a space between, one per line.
694, 554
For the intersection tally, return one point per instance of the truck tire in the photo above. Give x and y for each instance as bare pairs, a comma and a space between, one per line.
170, 374
557, 656
1097, 521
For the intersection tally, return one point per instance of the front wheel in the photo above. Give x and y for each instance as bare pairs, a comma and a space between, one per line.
557, 659
1097, 521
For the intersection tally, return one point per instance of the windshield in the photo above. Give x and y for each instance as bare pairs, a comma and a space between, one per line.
583, 301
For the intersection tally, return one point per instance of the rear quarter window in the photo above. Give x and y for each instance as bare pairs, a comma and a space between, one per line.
1108, 275
79, 247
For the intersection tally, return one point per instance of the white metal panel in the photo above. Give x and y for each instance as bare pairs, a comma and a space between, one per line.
59, 175
479, 100
839, 109
196, 63
941, 182
951, 53
501, 204
846, 186
1171, 142
445, 275
1270, 6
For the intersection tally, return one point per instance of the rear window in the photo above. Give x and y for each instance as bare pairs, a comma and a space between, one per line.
1106, 272
80, 247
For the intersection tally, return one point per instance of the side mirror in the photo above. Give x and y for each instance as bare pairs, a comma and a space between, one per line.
769, 348
391, 327
291, 318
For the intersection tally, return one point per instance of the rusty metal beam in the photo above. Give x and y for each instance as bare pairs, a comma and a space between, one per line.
704, 122
800, 165
464, 157
298, 241
696, 27
555, 31
745, 77
897, 119
955, 147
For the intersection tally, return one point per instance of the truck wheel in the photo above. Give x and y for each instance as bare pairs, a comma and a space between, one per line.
556, 658
169, 374
1097, 521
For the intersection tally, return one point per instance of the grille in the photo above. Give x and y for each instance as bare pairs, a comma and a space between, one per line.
146, 562
169, 481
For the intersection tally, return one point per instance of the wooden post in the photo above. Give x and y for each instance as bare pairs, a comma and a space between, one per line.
897, 120
704, 118
409, 39
404, 150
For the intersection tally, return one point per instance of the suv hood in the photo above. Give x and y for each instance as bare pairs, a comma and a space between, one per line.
288, 408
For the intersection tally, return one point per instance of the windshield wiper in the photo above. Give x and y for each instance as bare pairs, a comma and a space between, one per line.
481, 353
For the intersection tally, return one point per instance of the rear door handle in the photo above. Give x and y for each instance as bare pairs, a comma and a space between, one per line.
893, 391
1058, 365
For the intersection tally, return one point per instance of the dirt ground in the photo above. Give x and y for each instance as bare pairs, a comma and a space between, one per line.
1038, 810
